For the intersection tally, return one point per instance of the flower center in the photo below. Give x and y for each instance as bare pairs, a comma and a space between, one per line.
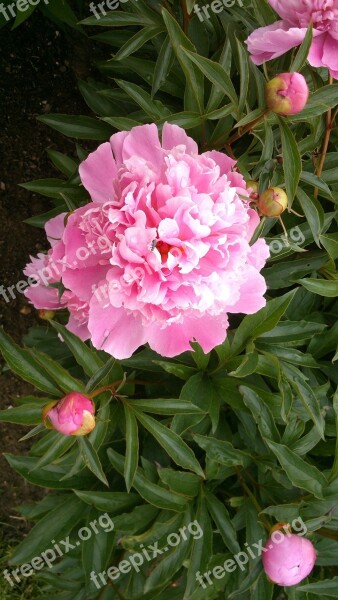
164, 250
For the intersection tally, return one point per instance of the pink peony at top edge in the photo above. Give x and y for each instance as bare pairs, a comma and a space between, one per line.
161, 254
72, 415
267, 43
289, 561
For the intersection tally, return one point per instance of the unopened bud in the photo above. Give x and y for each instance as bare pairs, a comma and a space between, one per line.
73, 415
273, 202
287, 94
46, 315
288, 559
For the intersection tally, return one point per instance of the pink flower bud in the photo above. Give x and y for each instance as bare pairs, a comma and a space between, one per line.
73, 415
273, 202
287, 94
288, 559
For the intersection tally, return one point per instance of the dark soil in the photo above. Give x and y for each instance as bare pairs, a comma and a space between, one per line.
38, 67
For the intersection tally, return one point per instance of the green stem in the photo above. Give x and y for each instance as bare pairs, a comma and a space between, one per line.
222, 143
253, 499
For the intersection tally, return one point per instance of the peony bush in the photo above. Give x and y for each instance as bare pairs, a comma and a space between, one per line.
184, 412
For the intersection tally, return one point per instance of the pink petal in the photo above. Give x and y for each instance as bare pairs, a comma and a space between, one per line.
330, 53
315, 56
115, 331
81, 282
97, 173
143, 141
274, 40
54, 228
173, 340
43, 297
252, 293
172, 136
116, 142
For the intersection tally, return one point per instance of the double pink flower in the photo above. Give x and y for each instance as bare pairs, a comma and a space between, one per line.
267, 43
162, 252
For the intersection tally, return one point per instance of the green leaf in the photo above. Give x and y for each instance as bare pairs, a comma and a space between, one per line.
302, 54
64, 163
150, 492
215, 73
314, 214
62, 444
323, 287
244, 75
110, 372
181, 482
180, 371
319, 102
137, 41
88, 359
181, 42
330, 243
166, 406
84, 128
326, 587
301, 474
223, 452
28, 414
112, 502
201, 548
117, 19
121, 123
264, 320
177, 449
50, 477
306, 395
23, 363
153, 108
132, 447
55, 525
221, 518
164, 572
66, 382
91, 459
292, 162
163, 65
261, 414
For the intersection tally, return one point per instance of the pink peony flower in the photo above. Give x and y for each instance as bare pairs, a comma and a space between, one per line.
289, 560
274, 40
162, 252
287, 94
73, 415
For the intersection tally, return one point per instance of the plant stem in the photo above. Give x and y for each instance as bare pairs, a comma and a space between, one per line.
221, 143
253, 499
329, 125
186, 16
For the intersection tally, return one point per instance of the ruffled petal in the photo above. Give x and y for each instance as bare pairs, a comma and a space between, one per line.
98, 172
